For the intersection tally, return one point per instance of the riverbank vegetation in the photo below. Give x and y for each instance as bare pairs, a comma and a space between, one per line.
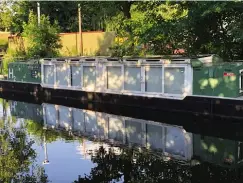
149, 28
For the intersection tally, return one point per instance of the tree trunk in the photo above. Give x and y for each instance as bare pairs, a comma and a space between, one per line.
126, 7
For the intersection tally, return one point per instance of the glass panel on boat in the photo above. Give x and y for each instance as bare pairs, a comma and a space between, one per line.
62, 75
134, 132
64, 117
114, 77
116, 129
89, 77
175, 141
153, 79
154, 137
241, 80
49, 74
174, 79
50, 115
132, 78
240, 152
78, 120
76, 75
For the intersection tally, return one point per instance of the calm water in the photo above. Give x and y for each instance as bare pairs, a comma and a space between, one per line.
51, 143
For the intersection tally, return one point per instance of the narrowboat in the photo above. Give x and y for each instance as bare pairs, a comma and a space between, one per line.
204, 84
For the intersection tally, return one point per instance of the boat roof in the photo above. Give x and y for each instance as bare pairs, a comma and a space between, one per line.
150, 58
156, 59
134, 57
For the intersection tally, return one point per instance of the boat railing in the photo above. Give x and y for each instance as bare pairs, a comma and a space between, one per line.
120, 60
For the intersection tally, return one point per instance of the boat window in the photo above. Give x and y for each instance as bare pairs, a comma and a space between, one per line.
241, 81
113, 59
76, 75
74, 59
60, 60
89, 77
62, 76
90, 59
114, 77
49, 74
132, 78
131, 60
153, 79
174, 79
240, 151
153, 60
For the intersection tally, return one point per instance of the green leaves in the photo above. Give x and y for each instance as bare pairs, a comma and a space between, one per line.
160, 26
170, 12
196, 27
43, 40
5, 15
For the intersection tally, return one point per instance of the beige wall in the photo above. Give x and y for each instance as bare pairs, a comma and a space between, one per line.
94, 43
4, 35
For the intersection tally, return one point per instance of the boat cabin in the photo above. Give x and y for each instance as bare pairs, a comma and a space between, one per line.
170, 76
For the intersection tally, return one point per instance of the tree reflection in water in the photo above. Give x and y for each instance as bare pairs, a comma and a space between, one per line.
132, 166
17, 157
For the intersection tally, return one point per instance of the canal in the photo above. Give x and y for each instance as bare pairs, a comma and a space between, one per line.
50, 142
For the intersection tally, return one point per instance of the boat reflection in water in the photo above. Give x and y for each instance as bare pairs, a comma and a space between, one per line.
135, 149
171, 140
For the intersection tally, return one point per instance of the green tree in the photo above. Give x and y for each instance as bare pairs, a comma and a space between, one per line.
43, 40
197, 27
154, 27
216, 27
95, 15
6, 15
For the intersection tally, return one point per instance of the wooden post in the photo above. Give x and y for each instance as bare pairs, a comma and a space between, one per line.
80, 30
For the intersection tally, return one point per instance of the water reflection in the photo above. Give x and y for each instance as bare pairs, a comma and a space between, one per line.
17, 156
76, 145
170, 140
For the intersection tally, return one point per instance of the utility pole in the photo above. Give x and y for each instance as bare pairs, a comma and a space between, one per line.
38, 12
80, 30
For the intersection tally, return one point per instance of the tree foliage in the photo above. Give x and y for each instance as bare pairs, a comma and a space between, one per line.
43, 40
95, 15
5, 15
150, 27
196, 27
17, 156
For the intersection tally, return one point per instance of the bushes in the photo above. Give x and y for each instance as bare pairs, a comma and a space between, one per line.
127, 48
11, 56
3, 45
43, 40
